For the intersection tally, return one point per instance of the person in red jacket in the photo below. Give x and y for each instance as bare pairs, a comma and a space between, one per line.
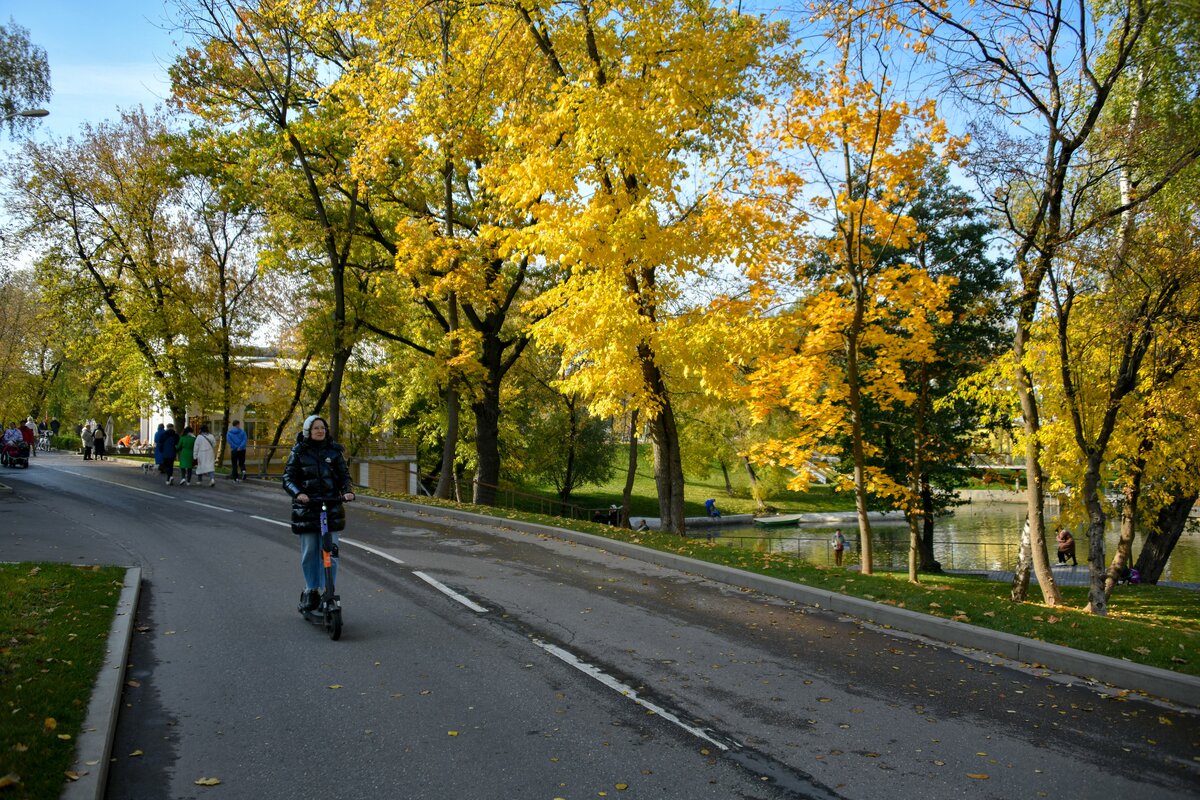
29, 437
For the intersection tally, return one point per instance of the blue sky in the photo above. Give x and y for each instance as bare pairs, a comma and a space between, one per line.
104, 55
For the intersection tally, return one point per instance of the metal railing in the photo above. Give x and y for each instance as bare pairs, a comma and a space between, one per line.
957, 554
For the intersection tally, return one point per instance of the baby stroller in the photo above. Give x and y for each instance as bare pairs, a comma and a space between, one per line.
15, 455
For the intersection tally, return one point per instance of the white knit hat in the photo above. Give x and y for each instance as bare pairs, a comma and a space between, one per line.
308, 423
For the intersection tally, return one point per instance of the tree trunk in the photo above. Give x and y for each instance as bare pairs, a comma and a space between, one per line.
1097, 599
1132, 494
1020, 581
928, 562
856, 444
1035, 485
668, 468
725, 474
445, 484
568, 481
1172, 519
754, 490
631, 471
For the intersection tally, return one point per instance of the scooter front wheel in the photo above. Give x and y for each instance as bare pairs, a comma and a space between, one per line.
333, 623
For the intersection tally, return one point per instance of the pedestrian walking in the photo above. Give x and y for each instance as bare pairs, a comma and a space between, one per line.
28, 436
236, 437
87, 438
205, 454
169, 446
1066, 547
158, 436
839, 546
187, 443
99, 438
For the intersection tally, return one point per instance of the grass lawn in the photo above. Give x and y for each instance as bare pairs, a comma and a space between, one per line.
696, 490
1154, 625
54, 624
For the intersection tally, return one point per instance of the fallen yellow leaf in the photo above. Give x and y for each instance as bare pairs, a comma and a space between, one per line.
11, 779
452, 733
209, 782
335, 686
66, 737
71, 776
977, 776
136, 753
622, 787
1164, 721
50, 724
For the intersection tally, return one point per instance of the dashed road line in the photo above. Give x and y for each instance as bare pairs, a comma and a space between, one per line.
446, 590
272, 521
370, 549
209, 505
628, 691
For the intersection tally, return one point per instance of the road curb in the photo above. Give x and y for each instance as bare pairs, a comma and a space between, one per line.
1163, 683
94, 745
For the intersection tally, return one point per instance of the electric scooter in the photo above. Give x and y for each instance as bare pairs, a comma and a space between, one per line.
329, 611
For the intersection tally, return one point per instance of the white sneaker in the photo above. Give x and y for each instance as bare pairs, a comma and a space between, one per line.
169, 481
183, 483
212, 483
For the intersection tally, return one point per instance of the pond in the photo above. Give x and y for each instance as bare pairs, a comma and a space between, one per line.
979, 536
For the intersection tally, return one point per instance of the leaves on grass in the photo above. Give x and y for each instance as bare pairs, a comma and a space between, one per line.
9, 780
50, 724
71, 776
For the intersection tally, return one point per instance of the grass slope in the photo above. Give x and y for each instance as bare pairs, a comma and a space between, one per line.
54, 624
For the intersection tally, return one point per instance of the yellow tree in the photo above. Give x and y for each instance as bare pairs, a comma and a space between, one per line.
865, 315
623, 159
1043, 76
423, 99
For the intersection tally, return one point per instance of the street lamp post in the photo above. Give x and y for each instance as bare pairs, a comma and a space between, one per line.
29, 112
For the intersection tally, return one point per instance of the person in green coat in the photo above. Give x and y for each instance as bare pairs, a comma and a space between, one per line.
187, 443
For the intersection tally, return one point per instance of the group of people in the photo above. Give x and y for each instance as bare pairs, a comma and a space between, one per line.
196, 453
94, 439
18, 433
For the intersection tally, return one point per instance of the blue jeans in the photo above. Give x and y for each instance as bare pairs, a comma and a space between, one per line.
311, 562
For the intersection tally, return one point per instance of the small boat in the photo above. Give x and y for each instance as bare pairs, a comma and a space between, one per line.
779, 520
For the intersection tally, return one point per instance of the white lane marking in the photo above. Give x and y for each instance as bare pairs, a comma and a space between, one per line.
446, 590
370, 549
208, 505
617, 686
114, 483
272, 521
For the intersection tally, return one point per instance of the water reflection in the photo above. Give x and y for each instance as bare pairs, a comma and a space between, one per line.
982, 536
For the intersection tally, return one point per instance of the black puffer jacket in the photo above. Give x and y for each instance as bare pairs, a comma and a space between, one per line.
317, 469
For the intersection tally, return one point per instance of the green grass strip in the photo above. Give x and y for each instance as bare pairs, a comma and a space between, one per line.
54, 624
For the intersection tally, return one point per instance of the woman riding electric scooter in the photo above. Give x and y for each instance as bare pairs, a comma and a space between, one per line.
316, 469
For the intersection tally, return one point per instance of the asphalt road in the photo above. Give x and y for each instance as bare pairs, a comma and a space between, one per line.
479, 662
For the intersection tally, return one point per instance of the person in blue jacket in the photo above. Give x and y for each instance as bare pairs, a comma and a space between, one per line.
237, 450
158, 437
711, 507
